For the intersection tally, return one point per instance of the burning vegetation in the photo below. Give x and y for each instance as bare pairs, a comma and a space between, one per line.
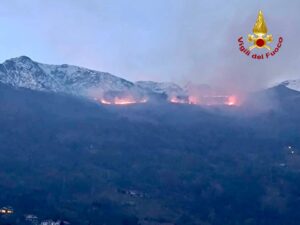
205, 95
122, 101
120, 98
206, 100
191, 100
195, 96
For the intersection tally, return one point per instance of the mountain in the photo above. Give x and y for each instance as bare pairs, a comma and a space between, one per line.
170, 89
146, 164
24, 72
292, 84
66, 158
100, 86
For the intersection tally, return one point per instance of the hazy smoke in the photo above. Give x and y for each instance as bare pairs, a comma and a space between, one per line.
172, 40
223, 65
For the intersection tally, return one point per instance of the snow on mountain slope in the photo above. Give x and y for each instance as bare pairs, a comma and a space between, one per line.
23, 72
170, 89
292, 84
26, 73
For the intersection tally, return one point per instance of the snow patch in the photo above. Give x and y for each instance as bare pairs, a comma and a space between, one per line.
292, 84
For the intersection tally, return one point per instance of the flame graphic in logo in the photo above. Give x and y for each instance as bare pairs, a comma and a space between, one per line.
260, 37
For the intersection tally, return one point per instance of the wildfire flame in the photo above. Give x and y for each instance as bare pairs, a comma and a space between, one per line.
232, 100
194, 100
122, 101
207, 100
177, 100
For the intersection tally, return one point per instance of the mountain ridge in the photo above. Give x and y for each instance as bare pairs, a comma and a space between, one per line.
26, 73
75, 80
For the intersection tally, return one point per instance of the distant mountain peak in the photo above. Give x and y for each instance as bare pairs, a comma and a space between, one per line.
26, 73
292, 84
22, 58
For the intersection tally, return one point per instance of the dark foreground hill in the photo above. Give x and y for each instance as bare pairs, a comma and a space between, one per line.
66, 158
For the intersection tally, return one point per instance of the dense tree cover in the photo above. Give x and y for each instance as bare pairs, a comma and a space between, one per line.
70, 159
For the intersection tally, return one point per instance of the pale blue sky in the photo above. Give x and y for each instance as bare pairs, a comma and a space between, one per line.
161, 40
